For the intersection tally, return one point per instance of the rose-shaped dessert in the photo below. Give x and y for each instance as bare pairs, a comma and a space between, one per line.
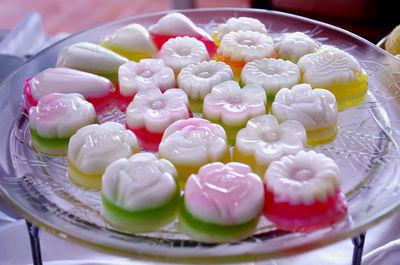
316, 109
232, 106
56, 118
140, 193
222, 203
191, 143
303, 192
151, 112
264, 140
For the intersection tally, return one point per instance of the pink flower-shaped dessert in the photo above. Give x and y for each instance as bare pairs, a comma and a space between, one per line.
222, 195
191, 143
233, 106
151, 112
96, 89
134, 77
264, 140
178, 25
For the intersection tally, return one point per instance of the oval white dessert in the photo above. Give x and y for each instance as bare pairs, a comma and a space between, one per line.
264, 140
180, 52
140, 193
292, 46
316, 109
92, 148
134, 77
132, 41
271, 74
222, 197
92, 58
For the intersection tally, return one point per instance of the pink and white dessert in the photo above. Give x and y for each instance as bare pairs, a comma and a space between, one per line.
315, 108
93, 147
264, 140
232, 106
292, 46
56, 118
132, 41
96, 89
178, 25
191, 143
151, 112
140, 193
222, 203
134, 77
180, 52
92, 58
198, 79
302, 192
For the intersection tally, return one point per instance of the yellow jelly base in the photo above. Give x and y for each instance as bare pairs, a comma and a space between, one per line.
235, 65
250, 160
322, 136
133, 56
83, 180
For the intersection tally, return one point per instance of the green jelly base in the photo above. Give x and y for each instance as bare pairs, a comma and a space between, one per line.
140, 221
49, 146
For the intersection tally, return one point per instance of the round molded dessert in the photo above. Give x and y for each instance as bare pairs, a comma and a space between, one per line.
302, 192
151, 112
56, 118
392, 43
316, 109
337, 71
264, 140
222, 203
140, 193
191, 143
92, 148
292, 46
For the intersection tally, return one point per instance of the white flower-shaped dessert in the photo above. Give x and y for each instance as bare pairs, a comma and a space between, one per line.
198, 79
155, 111
134, 77
232, 105
140, 182
61, 115
234, 24
92, 58
303, 178
180, 52
316, 109
292, 46
132, 41
92, 148
271, 74
246, 46
264, 140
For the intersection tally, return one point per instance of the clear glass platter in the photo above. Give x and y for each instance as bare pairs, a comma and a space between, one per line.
366, 150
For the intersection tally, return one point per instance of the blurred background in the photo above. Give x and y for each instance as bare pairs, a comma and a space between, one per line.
370, 19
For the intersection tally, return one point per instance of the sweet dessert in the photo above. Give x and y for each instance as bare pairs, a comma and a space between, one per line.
239, 48
232, 106
151, 112
56, 118
392, 43
180, 52
92, 58
93, 147
302, 192
134, 77
234, 24
132, 41
315, 108
96, 89
292, 46
198, 79
338, 71
265, 140
272, 74
191, 143
178, 25
222, 203
140, 193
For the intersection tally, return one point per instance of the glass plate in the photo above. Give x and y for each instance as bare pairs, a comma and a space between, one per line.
366, 149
